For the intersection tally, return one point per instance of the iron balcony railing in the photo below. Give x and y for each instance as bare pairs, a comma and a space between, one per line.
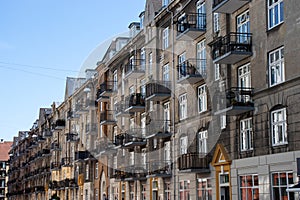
72, 137
193, 161
192, 67
136, 65
158, 88
160, 167
60, 124
239, 96
107, 116
136, 99
191, 21
107, 86
158, 128
233, 42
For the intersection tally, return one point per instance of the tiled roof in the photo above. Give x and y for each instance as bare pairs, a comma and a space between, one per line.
4, 149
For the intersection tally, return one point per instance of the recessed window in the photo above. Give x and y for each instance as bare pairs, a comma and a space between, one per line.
184, 190
276, 66
183, 145
246, 134
275, 13
182, 107
280, 182
248, 185
165, 37
202, 98
279, 127
202, 142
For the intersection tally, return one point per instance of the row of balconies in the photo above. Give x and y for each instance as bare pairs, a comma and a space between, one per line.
191, 162
66, 183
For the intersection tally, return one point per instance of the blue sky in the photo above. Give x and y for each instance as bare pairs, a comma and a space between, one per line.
43, 42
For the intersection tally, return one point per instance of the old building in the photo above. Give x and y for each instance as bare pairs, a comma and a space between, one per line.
4, 166
200, 101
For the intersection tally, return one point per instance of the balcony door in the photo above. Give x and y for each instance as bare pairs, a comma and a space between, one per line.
182, 66
167, 117
243, 26
244, 80
201, 12
201, 57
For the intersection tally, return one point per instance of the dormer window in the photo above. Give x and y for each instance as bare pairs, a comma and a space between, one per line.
134, 28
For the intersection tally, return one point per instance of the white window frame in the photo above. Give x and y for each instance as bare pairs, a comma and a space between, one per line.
201, 56
167, 152
183, 66
244, 76
96, 170
202, 99
274, 5
276, 67
217, 72
248, 186
202, 142
184, 187
183, 145
143, 59
165, 40
280, 186
87, 170
132, 159
246, 134
183, 106
243, 26
115, 81
204, 187
279, 127
167, 116
216, 21
166, 72
150, 67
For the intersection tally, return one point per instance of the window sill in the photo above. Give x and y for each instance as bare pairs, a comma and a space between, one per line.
274, 28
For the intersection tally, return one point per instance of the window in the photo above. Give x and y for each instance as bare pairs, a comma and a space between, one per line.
278, 127
167, 191
155, 189
217, 71
280, 182
96, 170
183, 145
243, 26
182, 66
144, 192
204, 189
167, 152
167, 117
131, 191
123, 82
115, 83
184, 190
201, 12
223, 121
202, 99
96, 194
150, 63
201, 57
182, 107
276, 66
165, 38
115, 192
143, 87
143, 124
143, 59
275, 14
87, 172
248, 186
216, 21
202, 142
166, 72
246, 134
244, 76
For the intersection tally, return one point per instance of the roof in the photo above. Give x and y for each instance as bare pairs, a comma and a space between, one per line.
4, 149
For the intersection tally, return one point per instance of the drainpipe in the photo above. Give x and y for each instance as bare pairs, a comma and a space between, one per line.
173, 104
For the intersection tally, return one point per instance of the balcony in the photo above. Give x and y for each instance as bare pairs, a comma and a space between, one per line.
91, 129
46, 152
55, 166
72, 137
135, 172
158, 90
119, 139
136, 69
191, 26
47, 133
67, 161
106, 90
191, 71
135, 102
135, 137
107, 117
59, 124
159, 168
40, 139
120, 108
238, 101
232, 48
228, 6
194, 162
90, 104
158, 129
80, 108
55, 146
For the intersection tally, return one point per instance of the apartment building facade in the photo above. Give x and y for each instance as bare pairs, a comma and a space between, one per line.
4, 167
199, 102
